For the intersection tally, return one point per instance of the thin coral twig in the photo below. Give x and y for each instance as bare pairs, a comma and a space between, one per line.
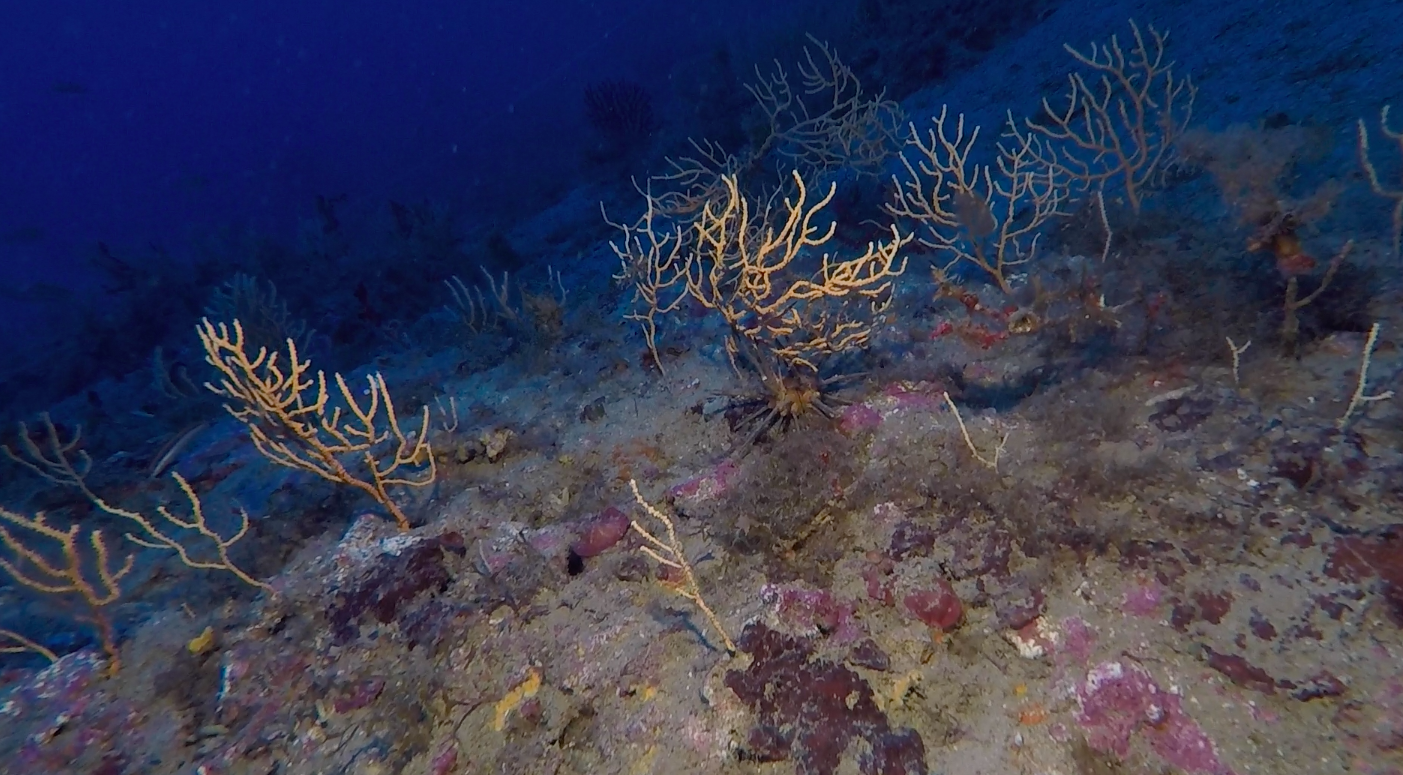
669, 553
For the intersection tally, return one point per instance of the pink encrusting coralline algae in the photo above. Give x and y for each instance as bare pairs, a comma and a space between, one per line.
1120, 699
707, 486
1143, 598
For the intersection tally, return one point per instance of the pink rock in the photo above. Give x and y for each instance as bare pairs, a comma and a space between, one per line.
446, 761
806, 609
858, 418
1143, 599
938, 606
878, 579
918, 395
705, 487
1120, 699
601, 532
550, 541
1078, 640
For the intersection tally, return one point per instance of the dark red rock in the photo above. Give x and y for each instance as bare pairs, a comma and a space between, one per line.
911, 540
1357, 559
531, 712
1319, 686
1261, 627
1212, 607
445, 761
983, 555
1181, 616
1347, 560
601, 532
869, 655
938, 605
1241, 672
813, 711
1305, 631
878, 579
1332, 607
1392, 592
391, 581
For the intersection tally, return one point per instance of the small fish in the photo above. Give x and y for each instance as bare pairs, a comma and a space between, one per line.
171, 451
69, 87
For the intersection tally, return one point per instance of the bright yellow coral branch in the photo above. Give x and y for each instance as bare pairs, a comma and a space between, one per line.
155, 538
19, 645
85, 570
748, 266
292, 420
54, 460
